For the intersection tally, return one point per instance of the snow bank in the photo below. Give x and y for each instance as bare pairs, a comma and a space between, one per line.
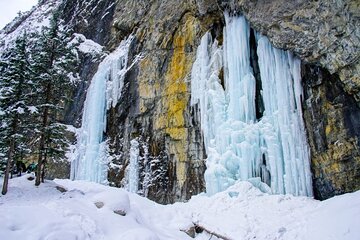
240, 212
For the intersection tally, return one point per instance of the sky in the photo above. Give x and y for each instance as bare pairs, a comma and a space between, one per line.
10, 8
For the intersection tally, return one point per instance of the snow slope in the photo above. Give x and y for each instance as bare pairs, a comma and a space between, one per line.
33, 21
241, 212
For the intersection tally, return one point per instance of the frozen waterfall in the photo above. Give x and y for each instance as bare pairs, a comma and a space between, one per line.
90, 160
238, 145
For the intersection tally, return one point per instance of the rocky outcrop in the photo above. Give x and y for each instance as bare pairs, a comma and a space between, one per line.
83, 17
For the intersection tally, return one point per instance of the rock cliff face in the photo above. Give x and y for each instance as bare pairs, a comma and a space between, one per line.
154, 107
332, 120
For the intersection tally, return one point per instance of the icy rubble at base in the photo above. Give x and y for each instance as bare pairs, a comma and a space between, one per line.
90, 157
240, 212
238, 145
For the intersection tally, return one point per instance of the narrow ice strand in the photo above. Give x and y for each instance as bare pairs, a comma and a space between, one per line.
133, 174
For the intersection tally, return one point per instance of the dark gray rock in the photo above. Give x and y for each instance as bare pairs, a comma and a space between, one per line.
331, 118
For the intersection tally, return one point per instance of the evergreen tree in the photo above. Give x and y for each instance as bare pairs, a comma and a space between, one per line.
15, 96
55, 62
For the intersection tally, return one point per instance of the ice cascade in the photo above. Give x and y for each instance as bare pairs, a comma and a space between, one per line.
239, 146
90, 158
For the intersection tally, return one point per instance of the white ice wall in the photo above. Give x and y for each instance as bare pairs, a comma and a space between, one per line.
238, 145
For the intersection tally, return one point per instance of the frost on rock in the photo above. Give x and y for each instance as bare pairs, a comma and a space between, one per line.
90, 158
239, 146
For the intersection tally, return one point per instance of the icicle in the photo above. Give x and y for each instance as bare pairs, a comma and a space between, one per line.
237, 146
206, 88
118, 63
90, 162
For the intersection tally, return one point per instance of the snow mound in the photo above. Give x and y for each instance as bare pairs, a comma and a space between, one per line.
116, 201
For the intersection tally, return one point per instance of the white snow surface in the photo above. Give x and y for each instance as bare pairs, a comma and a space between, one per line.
241, 212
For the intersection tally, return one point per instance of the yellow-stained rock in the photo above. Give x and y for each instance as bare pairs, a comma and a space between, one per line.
176, 95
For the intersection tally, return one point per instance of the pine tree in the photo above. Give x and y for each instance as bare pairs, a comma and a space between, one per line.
55, 62
15, 95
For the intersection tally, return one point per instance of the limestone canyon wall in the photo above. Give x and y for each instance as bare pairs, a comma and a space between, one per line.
155, 110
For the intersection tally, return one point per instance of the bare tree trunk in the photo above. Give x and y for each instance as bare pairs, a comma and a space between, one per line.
42, 153
197, 228
8, 166
41, 149
43, 168
10, 159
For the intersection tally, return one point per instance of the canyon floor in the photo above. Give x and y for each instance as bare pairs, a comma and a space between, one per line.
69, 210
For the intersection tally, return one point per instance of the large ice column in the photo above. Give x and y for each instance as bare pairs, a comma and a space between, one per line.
227, 115
90, 160
239, 80
238, 145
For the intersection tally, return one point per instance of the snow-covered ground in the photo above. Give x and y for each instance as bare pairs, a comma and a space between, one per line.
241, 212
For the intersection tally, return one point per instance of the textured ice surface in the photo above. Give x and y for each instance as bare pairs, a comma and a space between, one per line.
90, 161
133, 174
238, 145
